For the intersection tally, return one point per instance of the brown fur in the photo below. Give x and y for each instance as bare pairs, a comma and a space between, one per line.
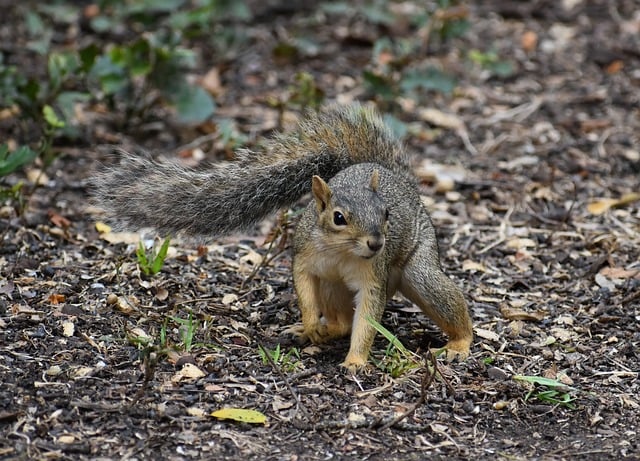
365, 236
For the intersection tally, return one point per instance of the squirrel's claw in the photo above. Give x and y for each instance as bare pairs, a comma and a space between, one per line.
456, 350
354, 363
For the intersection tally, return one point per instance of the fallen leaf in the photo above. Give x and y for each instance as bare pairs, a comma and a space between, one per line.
620, 273
602, 205
241, 415
252, 258
68, 328
59, 220
56, 298
604, 282
519, 314
102, 228
229, 298
519, 243
120, 237
487, 334
54, 370
529, 41
162, 294
615, 66
279, 404
211, 82
472, 266
37, 176
213, 388
441, 119
194, 411
189, 371
81, 372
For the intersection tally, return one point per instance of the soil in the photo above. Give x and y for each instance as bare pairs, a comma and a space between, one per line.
539, 226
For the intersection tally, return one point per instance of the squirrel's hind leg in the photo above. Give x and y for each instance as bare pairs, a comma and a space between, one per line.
440, 299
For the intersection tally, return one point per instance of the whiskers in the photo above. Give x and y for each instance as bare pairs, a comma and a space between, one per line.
349, 246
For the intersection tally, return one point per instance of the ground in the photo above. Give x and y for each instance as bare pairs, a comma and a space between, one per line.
539, 226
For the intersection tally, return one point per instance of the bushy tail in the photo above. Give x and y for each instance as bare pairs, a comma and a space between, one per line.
233, 195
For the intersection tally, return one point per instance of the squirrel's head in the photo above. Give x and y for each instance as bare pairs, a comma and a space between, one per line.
354, 217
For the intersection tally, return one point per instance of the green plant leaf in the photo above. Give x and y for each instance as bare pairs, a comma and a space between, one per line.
158, 260
141, 255
88, 56
428, 79
194, 104
11, 161
542, 381
60, 66
51, 117
378, 84
395, 342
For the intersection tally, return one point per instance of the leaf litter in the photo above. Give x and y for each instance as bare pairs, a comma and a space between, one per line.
533, 184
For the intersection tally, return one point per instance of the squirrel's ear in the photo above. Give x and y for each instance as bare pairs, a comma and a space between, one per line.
375, 180
321, 192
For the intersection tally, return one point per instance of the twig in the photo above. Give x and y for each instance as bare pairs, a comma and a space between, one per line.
198, 141
430, 372
286, 382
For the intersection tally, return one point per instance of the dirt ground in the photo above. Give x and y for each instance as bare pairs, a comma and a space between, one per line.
539, 227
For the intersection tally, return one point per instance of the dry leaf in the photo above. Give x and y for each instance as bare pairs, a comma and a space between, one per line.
59, 220
102, 228
604, 282
441, 119
162, 294
81, 372
519, 314
602, 205
615, 66
472, 266
120, 237
229, 299
211, 82
279, 404
213, 388
139, 333
53, 370
68, 328
194, 411
56, 298
529, 41
519, 243
37, 176
188, 371
620, 273
252, 258
487, 334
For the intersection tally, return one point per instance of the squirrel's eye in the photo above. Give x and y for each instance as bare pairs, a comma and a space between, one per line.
339, 219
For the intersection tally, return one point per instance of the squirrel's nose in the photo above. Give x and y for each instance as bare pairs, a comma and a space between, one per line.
375, 245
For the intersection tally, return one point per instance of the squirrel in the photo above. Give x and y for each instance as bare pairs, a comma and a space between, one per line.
363, 237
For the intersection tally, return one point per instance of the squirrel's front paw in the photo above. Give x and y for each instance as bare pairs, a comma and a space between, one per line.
304, 334
457, 350
297, 330
354, 362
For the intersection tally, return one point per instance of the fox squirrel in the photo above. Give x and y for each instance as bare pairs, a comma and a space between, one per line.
365, 235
